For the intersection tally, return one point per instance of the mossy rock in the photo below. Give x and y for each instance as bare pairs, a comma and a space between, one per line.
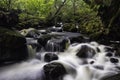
30, 32
12, 46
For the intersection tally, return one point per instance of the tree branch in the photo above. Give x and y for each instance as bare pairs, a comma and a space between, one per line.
58, 10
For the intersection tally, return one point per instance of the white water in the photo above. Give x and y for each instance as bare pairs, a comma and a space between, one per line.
31, 70
77, 68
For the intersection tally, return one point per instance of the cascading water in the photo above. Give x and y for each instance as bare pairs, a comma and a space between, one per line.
81, 61
57, 44
52, 46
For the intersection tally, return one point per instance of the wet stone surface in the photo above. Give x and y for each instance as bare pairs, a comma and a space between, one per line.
50, 57
54, 71
114, 60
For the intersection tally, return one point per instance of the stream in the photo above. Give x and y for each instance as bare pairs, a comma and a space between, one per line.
82, 60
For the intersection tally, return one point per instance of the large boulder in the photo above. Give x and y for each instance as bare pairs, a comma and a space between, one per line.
86, 52
54, 71
58, 41
44, 39
12, 46
72, 36
57, 44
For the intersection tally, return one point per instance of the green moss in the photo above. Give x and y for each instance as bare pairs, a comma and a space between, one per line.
5, 31
10, 37
67, 45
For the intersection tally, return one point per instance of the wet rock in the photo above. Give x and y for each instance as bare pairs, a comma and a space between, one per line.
60, 24
44, 39
54, 71
50, 57
31, 32
60, 39
109, 49
117, 54
12, 46
98, 50
92, 62
57, 44
111, 77
55, 29
114, 60
86, 52
33, 42
43, 31
78, 39
73, 37
109, 54
117, 51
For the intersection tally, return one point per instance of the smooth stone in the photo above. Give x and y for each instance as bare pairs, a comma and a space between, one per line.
54, 71
109, 54
50, 57
114, 60
86, 52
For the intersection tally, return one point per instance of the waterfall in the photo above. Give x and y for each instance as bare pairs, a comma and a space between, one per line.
82, 61
57, 44
52, 46
31, 70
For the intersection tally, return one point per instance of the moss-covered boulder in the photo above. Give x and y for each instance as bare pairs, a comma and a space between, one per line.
12, 46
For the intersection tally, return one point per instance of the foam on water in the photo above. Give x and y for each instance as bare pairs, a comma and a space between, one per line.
31, 70
77, 68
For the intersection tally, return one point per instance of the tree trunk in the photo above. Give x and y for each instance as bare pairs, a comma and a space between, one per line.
58, 10
74, 7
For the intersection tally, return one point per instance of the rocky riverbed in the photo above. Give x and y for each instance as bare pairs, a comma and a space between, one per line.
57, 55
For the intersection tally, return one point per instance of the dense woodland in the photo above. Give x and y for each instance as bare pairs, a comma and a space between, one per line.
99, 19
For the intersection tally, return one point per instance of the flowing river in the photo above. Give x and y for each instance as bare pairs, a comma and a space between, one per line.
80, 61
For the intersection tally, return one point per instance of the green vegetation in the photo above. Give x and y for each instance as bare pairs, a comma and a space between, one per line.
96, 18
109, 12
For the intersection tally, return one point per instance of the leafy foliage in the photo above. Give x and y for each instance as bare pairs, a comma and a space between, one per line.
109, 12
87, 16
